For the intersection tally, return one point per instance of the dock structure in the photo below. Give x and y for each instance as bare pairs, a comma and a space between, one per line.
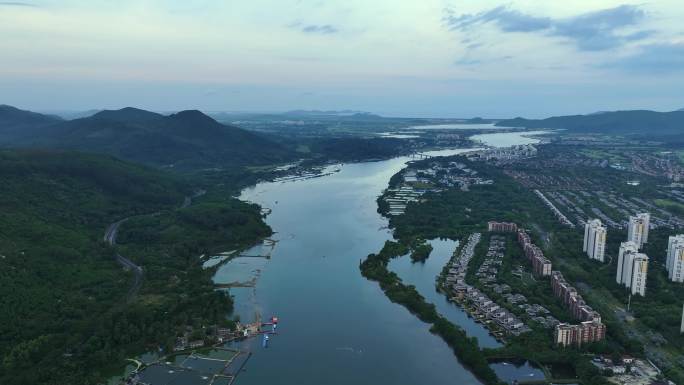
398, 198
420, 155
250, 329
234, 284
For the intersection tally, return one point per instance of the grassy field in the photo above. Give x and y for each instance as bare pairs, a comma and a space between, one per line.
613, 157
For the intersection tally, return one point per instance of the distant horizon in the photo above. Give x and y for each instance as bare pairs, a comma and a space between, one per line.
432, 58
283, 112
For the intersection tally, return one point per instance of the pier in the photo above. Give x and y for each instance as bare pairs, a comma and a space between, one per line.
420, 155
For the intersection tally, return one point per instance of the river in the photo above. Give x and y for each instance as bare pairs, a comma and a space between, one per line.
458, 126
422, 275
335, 326
504, 139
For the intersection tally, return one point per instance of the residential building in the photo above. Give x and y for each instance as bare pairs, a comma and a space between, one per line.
502, 227
625, 247
595, 239
632, 268
675, 258
639, 274
540, 264
578, 335
572, 300
637, 231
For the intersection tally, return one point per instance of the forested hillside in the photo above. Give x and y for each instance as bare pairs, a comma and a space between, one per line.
640, 122
184, 140
66, 318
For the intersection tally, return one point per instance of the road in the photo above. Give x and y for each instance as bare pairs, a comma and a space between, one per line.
110, 238
188, 199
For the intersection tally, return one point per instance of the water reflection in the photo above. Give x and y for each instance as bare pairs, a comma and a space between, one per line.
506, 139
335, 326
517, 371
423, 276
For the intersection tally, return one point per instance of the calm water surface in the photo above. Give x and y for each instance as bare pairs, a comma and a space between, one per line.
505, 139
518, 371
335, 326
456, 126
423, 276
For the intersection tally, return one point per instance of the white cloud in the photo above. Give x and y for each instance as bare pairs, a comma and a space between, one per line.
394, 52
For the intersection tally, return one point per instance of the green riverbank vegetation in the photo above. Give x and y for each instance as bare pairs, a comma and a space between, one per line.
464, 347
67, 317
648, 330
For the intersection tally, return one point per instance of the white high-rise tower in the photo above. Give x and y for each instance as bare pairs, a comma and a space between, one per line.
637, 231
632, 268
625, 248
675, 258
595, 239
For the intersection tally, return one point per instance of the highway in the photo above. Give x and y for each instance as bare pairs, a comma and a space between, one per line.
110, 238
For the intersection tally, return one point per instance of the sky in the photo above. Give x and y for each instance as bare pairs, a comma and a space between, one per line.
431, 58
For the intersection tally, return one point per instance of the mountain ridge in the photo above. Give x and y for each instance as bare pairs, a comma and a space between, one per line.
632, 122
20, 125
185, 139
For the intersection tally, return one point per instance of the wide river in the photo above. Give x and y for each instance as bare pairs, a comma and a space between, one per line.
335, 326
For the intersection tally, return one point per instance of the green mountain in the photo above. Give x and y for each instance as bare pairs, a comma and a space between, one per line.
57, 278
19, 125
67, 317
638, 122
187, 139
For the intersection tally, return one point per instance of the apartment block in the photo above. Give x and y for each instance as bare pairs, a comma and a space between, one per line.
595, 240
578, 335
502, 227
632, 268
675, 258
637, 230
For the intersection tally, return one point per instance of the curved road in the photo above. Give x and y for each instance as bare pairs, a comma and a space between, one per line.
110, 238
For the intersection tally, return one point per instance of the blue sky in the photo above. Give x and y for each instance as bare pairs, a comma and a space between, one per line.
402, 58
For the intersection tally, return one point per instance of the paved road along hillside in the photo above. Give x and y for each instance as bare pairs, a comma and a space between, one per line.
110, 238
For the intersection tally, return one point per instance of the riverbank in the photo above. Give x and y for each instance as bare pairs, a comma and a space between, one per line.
453, 211
466, 349
453, 285
310, 253
387, 343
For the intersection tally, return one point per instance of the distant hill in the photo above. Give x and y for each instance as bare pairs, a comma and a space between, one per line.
478, 120
187, 139
637, 122
342, 115
70, 114
127, 115
326, 112
308, 115
20, 125
355, 149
